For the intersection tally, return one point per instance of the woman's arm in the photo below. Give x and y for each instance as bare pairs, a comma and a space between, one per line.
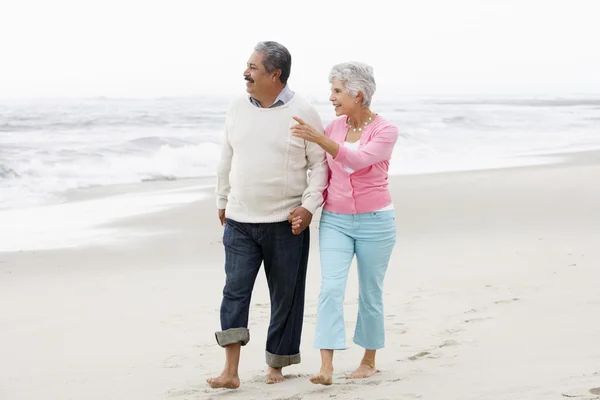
378, 149
307, 132
328, 145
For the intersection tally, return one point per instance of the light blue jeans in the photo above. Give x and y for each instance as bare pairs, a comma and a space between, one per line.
371, 236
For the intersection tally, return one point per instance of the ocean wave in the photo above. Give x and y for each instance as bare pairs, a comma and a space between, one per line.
524, 102
138, 122
8, 173
36, 180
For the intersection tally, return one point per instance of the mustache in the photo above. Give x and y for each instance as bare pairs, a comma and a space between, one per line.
247, 78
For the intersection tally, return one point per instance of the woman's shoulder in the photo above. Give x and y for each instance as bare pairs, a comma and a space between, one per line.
382, 125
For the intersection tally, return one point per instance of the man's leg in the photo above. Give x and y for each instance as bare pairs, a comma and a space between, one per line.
243, 258
286, 259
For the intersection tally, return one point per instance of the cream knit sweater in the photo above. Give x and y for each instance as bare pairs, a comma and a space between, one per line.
264, 171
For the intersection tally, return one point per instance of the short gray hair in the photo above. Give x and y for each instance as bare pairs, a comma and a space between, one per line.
355, 77
275, 56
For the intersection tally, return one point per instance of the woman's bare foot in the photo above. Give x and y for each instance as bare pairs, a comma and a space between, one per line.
363, 371
324, 377
274, 375
224, 381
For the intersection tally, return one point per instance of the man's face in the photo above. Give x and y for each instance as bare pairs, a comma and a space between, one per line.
258, 81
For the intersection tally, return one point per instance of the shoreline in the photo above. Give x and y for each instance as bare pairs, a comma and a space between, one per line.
578, 157
88, 205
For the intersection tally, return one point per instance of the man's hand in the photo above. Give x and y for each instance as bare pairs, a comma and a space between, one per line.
299, 218
222, 217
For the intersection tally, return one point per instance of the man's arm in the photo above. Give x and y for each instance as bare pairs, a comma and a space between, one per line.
223, 187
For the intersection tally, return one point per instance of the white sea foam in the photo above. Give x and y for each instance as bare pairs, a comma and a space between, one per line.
86, 222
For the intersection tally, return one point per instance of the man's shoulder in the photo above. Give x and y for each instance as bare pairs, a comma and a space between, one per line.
237, 101
303, 104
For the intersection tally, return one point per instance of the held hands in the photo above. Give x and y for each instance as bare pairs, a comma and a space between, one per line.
300, 218
305, 131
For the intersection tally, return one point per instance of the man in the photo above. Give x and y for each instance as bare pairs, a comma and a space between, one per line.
266, 177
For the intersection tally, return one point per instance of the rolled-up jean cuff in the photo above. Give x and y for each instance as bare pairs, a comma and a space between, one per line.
276, 361
233, 335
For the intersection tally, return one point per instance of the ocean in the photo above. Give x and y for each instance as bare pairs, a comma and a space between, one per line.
50, 146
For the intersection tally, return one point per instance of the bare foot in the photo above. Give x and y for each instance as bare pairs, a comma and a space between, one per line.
224, 381
274, 375
363, 371
324, 377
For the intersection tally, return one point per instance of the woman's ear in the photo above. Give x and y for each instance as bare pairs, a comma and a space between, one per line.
359, 98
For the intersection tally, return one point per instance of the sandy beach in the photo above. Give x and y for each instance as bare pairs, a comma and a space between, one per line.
493, 293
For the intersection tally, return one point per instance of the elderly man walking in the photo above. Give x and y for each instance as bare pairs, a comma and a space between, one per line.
266, 177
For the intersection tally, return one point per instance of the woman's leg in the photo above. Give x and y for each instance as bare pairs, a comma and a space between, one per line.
373, 251
325, 375
336, 252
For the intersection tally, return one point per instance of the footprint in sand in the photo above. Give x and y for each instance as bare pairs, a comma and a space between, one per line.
470, 321
449, 343
184, 392
294, 397
450, 331
174, 362
423, 354
507, 301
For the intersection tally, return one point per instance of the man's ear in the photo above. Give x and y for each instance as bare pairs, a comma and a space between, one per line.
276, 74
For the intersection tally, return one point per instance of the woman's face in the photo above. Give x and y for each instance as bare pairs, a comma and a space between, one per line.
343, 103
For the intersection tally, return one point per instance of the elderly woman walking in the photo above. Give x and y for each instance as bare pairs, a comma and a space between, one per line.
357, 218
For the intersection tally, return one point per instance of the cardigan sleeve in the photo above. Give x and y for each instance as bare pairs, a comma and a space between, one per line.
378, 149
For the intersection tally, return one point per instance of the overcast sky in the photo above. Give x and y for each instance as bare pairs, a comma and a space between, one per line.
67, 48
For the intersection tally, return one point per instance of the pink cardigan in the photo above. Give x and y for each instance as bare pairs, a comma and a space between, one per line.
366, 189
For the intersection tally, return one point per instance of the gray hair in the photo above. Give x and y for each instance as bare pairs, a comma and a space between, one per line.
355, 77
275, 56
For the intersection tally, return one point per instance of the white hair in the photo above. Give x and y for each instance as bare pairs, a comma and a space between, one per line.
355, 77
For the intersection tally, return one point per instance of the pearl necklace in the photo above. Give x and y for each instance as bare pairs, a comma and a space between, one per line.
367, 122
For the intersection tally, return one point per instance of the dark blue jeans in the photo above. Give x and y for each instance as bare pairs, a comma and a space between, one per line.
285, 258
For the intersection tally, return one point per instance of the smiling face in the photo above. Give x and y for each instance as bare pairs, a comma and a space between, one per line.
343, 102
258, 80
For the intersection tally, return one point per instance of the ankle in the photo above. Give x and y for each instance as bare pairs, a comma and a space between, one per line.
368, 363
230, 371
326, 367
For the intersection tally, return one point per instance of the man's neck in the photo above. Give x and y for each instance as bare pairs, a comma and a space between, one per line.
268, 99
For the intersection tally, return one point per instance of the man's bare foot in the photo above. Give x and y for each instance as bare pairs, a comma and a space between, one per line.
274, 375
363, 371
224, 381
325, 377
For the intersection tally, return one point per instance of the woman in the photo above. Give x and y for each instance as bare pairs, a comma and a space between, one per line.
358, 216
